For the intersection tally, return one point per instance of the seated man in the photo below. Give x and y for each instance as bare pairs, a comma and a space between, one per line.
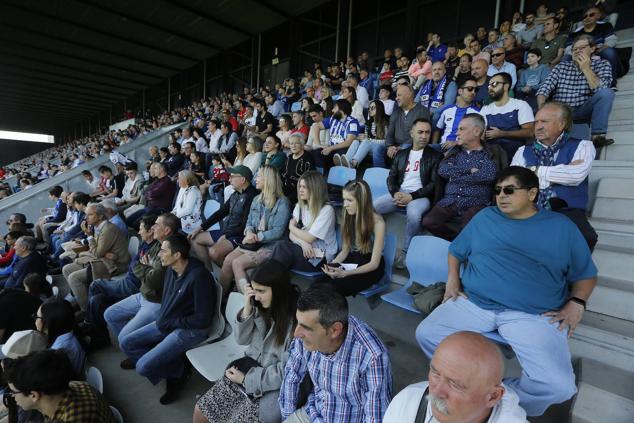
342, 129
411, 183
398, 135
465, 179
479, 69
71, 228
28, 261
159, 195
475, 366
17, 306
499, 65
584, 85
42, 381
346, 361
176, 159
529, 280
107, 248
157, 349
437, 92
510, 121
562, 164
451, 116
53, 217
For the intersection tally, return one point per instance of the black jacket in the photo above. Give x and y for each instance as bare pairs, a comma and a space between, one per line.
428, 172
235, 212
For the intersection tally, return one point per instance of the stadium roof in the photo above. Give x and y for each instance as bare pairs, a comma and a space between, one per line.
67, 60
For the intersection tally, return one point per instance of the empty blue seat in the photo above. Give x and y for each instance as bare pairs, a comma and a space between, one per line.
211, 206
389, 251
340, 175
427, 263
376, 177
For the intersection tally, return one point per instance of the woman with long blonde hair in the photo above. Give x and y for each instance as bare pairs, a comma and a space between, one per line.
312, 238
359, 264
266, 224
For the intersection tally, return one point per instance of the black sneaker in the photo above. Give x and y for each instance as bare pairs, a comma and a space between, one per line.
601, 141
127, 364
172, 388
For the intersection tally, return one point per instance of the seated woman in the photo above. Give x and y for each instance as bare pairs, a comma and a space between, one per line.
188, 202
267, 222
202, 145
56, 319
197, 166
297, 163
372, 141
349, 93
250, 388
273, 154
133, 188
312, 239
285, 126
363, 235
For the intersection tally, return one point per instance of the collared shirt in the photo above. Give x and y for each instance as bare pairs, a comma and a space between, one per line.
437, 54
354, 384
469, 175
506, 67
569, 85
82, 404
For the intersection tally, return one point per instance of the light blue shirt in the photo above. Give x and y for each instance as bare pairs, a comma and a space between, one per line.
506, 67
71, 346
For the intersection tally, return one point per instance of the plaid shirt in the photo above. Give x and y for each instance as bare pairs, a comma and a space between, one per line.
82, 404
354, 384
570, 85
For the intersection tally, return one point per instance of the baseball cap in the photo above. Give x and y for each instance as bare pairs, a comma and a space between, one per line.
242, 171
23, 342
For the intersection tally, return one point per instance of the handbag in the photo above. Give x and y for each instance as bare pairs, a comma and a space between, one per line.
244, 364
251, 247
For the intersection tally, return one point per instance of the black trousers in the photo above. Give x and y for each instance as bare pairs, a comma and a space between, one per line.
579, 218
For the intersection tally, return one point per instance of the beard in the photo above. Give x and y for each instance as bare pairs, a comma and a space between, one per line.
496, 95
438, 404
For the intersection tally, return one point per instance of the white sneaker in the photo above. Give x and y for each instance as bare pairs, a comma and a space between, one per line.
344, 161
399, 260
336, 159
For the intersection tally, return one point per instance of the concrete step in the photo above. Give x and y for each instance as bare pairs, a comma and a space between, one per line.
623, 113
613, 298
620, 152
604, 339
616, 188
614, 199
621, 137
593, 405
614, 233
615, 263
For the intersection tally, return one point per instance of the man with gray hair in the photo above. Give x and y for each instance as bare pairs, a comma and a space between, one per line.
107, 253
29, 261
465, 385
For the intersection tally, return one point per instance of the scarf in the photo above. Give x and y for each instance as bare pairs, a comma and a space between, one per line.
435, 99
546, 157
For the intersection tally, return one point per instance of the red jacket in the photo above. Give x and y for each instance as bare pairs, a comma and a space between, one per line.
5, 259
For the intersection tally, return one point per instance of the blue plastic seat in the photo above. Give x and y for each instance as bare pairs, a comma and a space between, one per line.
315, 275
389, 252
427, 263
340, 175
376, 177
296, 107
212, 206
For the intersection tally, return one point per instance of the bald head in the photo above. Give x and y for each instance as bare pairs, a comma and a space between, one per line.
404, 96
477, 353
479, 68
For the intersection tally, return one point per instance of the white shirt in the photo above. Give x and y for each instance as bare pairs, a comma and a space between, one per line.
182, 140
322, 228
187, 207
362, 96
514, 113
506, 67
411, 181
563, 174
404, 407
388, 105
213, 141
201, 145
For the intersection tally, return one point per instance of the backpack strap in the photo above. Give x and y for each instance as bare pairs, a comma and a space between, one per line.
422, 408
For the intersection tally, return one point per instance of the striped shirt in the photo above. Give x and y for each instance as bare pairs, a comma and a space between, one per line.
569, 85
354, 384
450, 118
339, 130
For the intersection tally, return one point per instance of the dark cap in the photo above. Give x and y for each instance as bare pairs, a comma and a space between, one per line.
242, 171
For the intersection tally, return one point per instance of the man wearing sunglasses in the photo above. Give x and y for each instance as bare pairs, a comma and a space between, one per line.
526, 282
562, 164
499, 64
452, 115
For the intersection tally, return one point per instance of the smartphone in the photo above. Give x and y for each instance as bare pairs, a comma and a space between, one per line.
333, 265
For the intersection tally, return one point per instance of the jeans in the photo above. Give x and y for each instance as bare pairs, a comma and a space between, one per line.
103, 293
415, 211
130, 314
159, 355
359, 149
596, 109
547, 377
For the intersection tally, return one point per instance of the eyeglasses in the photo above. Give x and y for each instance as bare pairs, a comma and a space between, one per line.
497, 54
579, 48
495, 83
469, 88
508, 190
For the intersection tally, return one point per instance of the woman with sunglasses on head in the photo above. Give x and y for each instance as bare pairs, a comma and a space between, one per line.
359, 264
372, 141
250, 388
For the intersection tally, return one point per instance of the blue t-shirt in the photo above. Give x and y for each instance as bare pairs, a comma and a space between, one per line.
521, 264
68, 343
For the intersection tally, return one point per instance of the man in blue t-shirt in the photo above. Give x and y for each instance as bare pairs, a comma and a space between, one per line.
527, 276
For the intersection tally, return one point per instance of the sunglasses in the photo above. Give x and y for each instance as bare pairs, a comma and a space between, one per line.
497, 54
508, 190
495, 83
469, 88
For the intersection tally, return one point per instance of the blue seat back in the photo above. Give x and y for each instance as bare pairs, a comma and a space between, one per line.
211, 206
389, 253
296, 107
427, 260
376, 177
340, 175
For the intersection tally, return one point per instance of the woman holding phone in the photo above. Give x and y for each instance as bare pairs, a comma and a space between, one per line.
250, 388
359, 264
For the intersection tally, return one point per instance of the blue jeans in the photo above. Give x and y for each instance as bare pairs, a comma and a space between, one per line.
103, 293
547, 377
415, 210
159, 355
596, 109
359, 149
130, 314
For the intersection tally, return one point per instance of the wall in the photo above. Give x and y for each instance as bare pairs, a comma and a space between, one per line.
13, 151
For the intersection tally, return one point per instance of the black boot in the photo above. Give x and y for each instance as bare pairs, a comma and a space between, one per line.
172, 388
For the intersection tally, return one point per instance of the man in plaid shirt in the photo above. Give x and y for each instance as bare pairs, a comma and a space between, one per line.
584, 85
346, 362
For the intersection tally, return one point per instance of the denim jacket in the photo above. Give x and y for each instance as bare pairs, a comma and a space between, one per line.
276, 219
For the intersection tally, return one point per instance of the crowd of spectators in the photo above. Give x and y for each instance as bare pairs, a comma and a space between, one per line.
479, 149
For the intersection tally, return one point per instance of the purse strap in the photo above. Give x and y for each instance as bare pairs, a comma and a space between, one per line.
422, 408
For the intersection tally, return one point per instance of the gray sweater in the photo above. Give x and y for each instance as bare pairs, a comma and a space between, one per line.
401, 124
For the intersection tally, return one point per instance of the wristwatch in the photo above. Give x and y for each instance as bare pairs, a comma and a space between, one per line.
578, 301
